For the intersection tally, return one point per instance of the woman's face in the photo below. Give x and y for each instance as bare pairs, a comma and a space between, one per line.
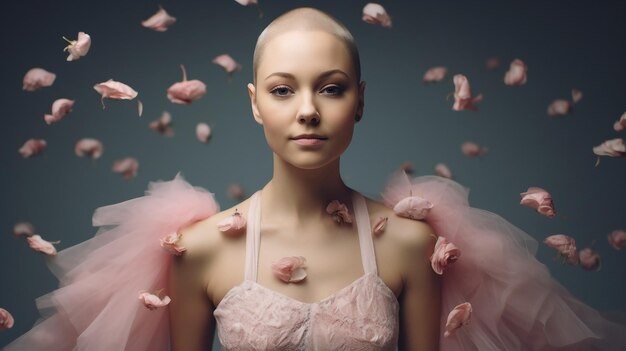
306, 97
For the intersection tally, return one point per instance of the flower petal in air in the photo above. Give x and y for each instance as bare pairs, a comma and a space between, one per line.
443, 171
613, 148
444, 254
203, 132
169, 244
89, 147
235, 191
540, 200
78, 48
516, 75
290, 269
620, 125
232, 224
458, 317
577, 95
463, 99
380, 226
565, 246
472, 149
152, 301
413, 207
37, 78
23, 229
374, 13
163, 125
339, 212
160, 21
114, 90
6, 320
559, 107
589, 259
186, 91
37, 243
60, 108
32, 147
435, 74
127, 167
227, 63
617, 239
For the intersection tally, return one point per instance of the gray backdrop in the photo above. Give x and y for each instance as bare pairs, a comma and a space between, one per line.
565, 44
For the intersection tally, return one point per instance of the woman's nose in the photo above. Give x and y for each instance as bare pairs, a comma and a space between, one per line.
308, 113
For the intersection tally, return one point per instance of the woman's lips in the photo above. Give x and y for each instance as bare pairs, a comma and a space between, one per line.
309, 141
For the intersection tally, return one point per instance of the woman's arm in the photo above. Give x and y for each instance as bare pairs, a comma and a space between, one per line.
191, 311
420, 301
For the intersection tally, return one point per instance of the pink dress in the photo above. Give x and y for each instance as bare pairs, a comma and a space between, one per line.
361, 316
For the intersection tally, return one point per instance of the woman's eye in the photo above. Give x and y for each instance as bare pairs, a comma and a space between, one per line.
332, 90
280, 91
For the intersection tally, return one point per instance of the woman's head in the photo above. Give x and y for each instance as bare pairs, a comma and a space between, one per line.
307, 92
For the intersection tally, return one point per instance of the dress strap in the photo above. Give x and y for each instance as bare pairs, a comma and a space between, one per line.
362, 218
253, 231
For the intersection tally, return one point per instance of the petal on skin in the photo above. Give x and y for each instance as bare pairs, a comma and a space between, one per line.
169, 244
236, 191
163, 125
6, 320
227, 63
186, 91
160, 21
516, 75
374, 13
613, 148
23, 229
463, 99
37, 78
589, 259
78, 48
492, 63
232, 224
32, 147
37, 243
290, 269
114, 90
435, 74
60, 108
89, 147
559, 107
540, 200
443, 171
577, 95
565, 246
127, 167
444, 254
152, 301
203, 132
380, 226
620, 125
617, 239
458, 317
339, 212
472, 149
413, 207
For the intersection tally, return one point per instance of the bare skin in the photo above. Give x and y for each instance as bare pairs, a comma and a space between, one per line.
295, 94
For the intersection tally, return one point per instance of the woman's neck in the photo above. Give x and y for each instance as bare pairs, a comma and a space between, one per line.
303, 194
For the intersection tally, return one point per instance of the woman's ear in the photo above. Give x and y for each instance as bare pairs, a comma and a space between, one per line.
361, 102
255, 109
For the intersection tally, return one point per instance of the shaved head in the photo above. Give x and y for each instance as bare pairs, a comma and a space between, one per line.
306, 19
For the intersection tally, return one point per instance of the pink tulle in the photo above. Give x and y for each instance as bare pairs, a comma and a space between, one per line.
516, 305
96, 306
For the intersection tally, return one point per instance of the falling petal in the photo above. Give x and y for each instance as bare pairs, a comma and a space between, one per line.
620, 125
617, 239
227, 63
23, 229
577, 95
152, 301
127, 167
613, 148
203, 132
435, 74
32, 147
79, 47
114, 90
540, 200
160, 21
163, 125
463, 99
186, 91
374, 13
472, 149
458, 317
89, 147
6, 320
565, 246
443, 171
37, 78
516, 75
60, 108
139, 107
559, 107
37, 243
235, 191
589, 259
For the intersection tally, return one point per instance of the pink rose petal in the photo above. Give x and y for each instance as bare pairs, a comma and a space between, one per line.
32, 147
444, 254
163, 125
203, 132
37, 78
290, 269
37, 243
60, 108
620, 125
23, 229
589, 259
559, 107
380, 226
472, 149
232, 224
169, 244
79, 47
463, 99
6, 320
235, 191
435, 74
613, 148
339, 212
516, 75
160, 21
114, 90
492, 63
540, 200
227, 63
617, 239
565, 246
374, 13
186, 91
89, 147
577, 95
152, 301
458, 317
127, 167
413, 207
443, 171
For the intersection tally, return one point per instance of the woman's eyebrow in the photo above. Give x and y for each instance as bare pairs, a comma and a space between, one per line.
321, 76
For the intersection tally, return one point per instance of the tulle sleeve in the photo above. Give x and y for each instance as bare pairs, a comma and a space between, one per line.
96, 306
516, 304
